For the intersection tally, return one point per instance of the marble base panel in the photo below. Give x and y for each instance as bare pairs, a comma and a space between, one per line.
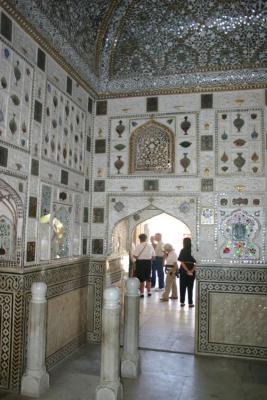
71, 289
66, 319
232, 311
239, 319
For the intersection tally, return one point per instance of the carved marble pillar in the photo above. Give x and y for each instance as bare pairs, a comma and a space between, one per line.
35, 380
110, 387
130, 361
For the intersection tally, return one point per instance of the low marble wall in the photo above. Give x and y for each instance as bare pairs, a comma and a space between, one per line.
74, 313
232, 311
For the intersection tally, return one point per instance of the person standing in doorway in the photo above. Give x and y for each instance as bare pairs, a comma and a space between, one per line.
131, 261
171, 270
187, 272
143, 254
153, 276
159, 261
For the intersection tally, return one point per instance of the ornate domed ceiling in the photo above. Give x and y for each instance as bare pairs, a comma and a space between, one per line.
148, 44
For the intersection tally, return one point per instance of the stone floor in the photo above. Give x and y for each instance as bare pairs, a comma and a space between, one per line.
165, 376
166, 325
166, 373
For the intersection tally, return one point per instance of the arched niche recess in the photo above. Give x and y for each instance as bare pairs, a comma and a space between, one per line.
11, 225
151, 149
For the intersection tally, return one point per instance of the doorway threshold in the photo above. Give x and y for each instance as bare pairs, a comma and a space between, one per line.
188, 353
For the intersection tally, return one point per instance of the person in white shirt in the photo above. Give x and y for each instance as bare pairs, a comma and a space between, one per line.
171, 269
143, 254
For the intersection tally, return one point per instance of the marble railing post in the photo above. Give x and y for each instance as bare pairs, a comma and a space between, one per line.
130, 361
35, 380
110, 387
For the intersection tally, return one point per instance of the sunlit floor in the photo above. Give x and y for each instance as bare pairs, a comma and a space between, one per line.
166, 325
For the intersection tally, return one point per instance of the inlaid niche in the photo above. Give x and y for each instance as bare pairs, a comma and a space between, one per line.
11, 221
151, 149
60, 241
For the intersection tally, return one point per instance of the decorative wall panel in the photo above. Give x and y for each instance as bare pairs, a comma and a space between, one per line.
64, 132
16, 82
240, 142
241, 230
161, 144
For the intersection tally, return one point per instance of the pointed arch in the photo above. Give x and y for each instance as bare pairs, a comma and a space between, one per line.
151, 149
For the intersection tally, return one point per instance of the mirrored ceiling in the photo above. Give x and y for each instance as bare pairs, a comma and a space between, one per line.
151, 44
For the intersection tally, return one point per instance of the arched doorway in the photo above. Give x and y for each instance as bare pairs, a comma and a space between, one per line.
172, 229
173, 329
165, 326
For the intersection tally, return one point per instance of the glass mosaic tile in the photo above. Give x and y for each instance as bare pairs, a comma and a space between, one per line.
3, 156
41, 59
6, 26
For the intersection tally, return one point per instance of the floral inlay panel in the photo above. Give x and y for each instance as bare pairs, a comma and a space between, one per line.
64, 133
240, 142
16, 80
240, 230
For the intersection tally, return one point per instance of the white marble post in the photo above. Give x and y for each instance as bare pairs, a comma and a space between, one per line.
130, 360
35, 380
110, 387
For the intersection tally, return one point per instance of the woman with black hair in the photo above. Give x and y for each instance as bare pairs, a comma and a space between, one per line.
187, 272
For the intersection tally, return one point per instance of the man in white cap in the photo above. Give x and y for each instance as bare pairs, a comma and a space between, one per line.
171, 270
